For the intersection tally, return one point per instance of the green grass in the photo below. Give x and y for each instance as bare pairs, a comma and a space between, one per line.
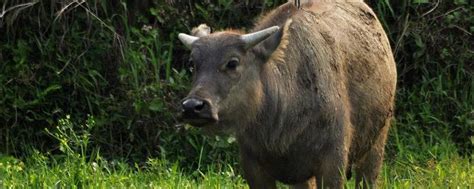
411, 164
41, 171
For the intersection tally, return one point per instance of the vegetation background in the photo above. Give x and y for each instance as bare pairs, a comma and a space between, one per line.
88, 93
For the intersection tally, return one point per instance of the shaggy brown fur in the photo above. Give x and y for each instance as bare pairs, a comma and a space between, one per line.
309, 102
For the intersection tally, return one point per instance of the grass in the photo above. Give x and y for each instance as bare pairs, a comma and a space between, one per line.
43, 172
412, 163
40, 171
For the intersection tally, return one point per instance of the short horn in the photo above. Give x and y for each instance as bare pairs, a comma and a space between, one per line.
201, 31
187, 40
253, 39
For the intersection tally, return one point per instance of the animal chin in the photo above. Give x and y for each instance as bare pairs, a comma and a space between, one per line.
200, 122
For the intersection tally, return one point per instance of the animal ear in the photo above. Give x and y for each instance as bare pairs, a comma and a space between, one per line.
187, 40
254, 38
201, 31
279, 40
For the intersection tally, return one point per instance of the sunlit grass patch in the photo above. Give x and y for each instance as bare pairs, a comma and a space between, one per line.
71, 170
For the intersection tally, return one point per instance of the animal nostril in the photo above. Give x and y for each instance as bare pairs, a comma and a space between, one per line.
199, 107
193, 104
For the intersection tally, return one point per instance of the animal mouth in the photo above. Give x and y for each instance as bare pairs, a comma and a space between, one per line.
198, 120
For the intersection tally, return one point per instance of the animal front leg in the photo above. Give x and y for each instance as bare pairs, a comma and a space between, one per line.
331, 178
309, 184
255, 175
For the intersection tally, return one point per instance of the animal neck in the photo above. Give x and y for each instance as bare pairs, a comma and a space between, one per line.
267, 131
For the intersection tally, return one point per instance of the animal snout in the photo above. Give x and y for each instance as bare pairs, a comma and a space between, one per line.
197, 111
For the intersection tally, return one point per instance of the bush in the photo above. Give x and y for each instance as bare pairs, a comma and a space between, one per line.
117, 61
432, 43
85, 59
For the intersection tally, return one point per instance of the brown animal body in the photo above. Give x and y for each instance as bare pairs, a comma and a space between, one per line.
307, 100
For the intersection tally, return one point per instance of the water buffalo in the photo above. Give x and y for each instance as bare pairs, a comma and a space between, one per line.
308, 93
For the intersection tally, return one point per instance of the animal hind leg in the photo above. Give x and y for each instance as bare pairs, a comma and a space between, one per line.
368, 168
331, 172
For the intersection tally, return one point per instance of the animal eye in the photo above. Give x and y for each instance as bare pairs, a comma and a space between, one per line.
232, 64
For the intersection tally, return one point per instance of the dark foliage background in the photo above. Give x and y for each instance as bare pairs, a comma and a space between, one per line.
118, 63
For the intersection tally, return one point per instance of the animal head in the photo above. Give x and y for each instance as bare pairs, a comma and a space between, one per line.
226, 78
